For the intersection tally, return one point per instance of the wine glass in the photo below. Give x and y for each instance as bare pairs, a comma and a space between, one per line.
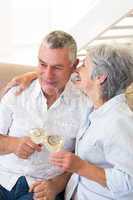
37, 135
53, 143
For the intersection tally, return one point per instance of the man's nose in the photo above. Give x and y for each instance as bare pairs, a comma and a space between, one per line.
49, 72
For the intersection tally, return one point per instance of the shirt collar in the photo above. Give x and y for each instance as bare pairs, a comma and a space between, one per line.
37, 89
66, 96
69, 93
113, 102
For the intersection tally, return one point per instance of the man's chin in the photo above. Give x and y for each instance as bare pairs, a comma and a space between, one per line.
50, 90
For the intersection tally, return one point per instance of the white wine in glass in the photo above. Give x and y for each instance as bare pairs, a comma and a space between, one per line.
54, 143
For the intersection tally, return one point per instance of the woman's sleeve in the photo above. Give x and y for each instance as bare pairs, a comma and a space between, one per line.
119, 153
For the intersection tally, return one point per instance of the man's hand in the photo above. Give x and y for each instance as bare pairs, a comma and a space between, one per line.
24, 147
67, 161
23, 81
43, 190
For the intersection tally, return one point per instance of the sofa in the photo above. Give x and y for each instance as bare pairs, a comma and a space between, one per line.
8, 71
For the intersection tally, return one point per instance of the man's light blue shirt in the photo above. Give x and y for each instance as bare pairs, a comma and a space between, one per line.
20, 114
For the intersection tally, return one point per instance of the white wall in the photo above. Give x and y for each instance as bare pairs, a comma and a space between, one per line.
25, 22
5, 29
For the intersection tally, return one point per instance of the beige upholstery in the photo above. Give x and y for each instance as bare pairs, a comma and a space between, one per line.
129, 96
8, 71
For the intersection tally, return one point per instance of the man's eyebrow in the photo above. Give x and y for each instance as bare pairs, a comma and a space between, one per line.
55, 65
41, 61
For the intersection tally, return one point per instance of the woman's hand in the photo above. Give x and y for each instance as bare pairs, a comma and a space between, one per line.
72, 163
67, 161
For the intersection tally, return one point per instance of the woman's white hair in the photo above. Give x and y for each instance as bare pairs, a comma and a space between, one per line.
114, 61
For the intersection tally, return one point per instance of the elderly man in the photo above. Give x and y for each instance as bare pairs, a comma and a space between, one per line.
51, 103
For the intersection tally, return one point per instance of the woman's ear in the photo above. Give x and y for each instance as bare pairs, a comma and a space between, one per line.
101, 78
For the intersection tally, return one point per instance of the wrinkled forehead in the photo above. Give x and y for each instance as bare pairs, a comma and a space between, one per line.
55, 53
54, 56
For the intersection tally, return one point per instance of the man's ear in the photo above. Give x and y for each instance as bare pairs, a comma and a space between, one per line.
75, 64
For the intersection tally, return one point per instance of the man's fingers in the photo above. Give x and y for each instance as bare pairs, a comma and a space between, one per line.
20, 90
39, 147
12, 83
8, 87
41, 191
26, 147
34, 185
31, 147
39, 195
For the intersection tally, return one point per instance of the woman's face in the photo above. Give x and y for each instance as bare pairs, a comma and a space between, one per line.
85, 83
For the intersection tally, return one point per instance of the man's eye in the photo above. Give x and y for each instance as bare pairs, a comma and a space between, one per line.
43, 65
58, 67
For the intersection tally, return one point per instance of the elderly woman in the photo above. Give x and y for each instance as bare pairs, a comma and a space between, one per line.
103, 165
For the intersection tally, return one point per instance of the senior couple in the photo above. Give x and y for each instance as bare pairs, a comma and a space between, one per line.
92, 115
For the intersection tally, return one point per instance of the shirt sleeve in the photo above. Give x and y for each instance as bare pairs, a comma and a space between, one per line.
119, 153
119, 182
6, 111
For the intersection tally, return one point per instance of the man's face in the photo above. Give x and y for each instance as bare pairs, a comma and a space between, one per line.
54, 69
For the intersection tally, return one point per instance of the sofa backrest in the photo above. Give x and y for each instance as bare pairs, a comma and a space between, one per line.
8, 71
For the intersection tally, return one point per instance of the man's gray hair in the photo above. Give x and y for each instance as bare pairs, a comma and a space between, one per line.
116, 62
61, 39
